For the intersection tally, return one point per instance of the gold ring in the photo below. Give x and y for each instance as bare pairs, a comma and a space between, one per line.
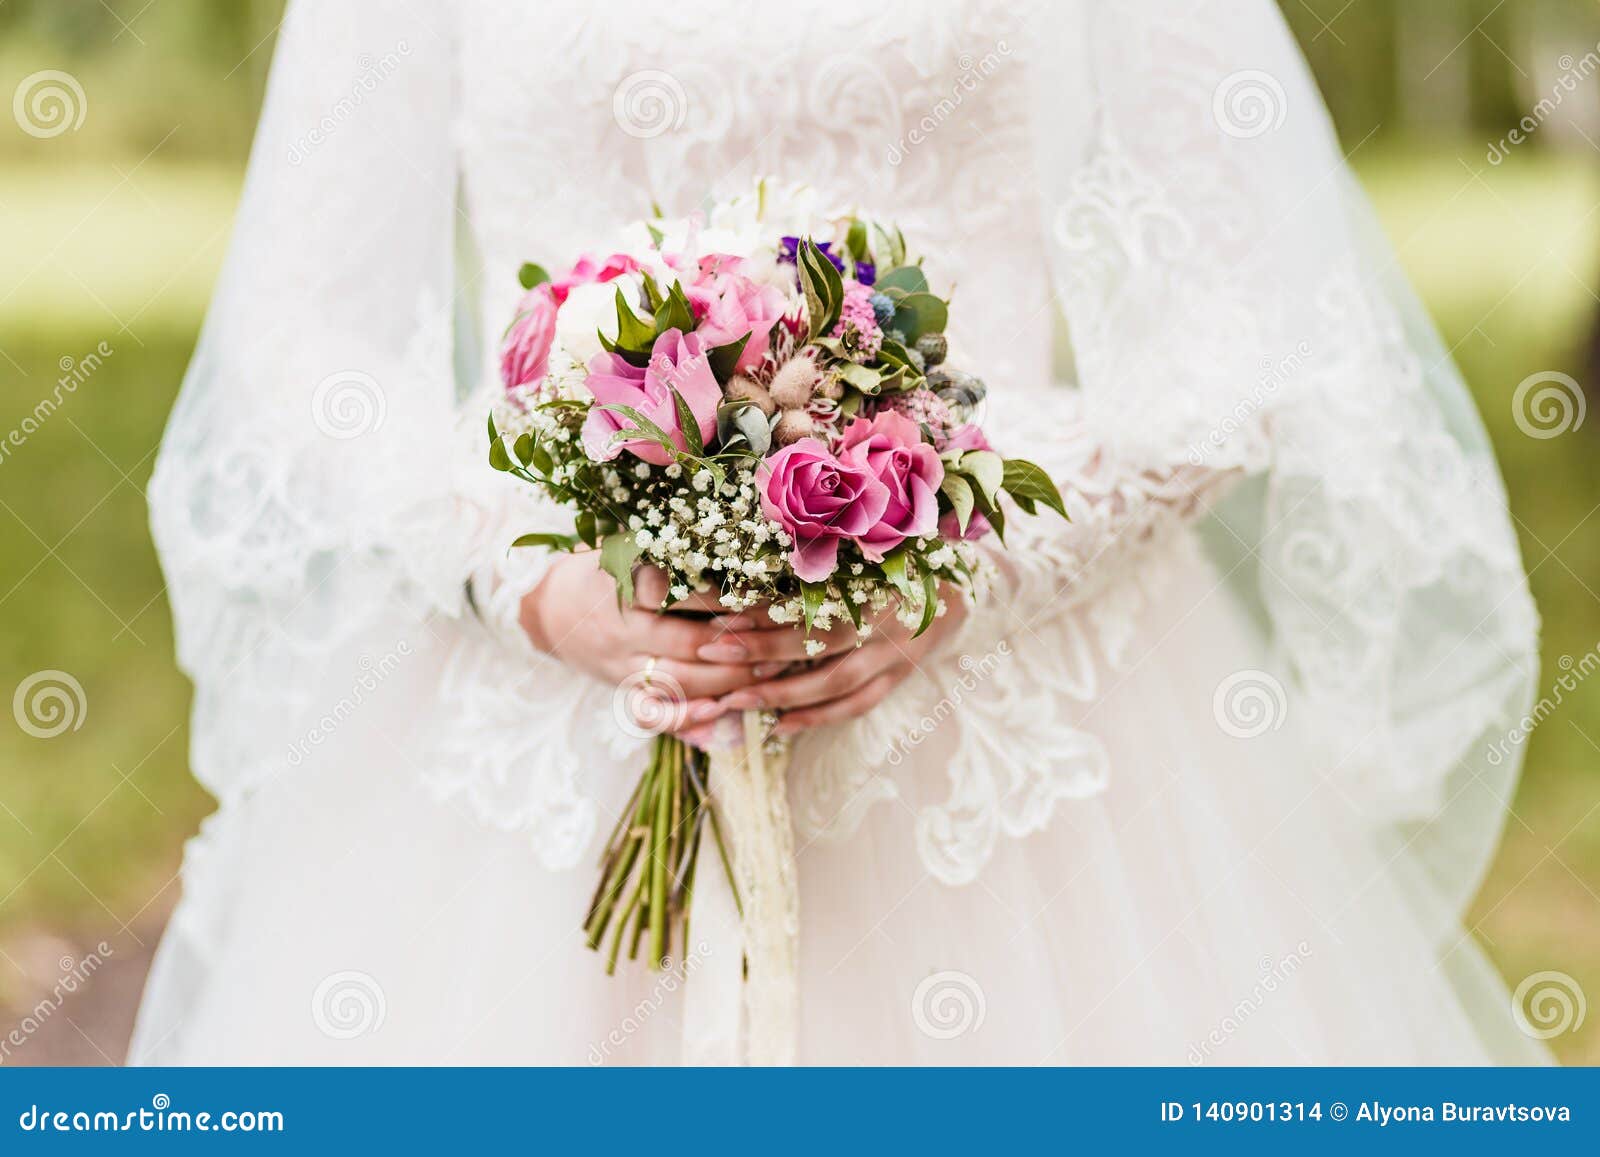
650, 671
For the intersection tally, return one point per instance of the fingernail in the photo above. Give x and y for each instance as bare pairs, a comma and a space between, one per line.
705, 711
723, 652
762, 670
741, 701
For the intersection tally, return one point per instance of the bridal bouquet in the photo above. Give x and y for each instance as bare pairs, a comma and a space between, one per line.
759, 402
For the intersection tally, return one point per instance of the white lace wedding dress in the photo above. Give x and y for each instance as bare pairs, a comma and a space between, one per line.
1204, 780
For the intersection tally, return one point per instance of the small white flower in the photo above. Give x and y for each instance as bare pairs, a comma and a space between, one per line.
815, 647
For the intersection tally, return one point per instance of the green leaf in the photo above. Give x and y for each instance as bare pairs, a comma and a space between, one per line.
498, 458
1029, 484
930, 602
986, 468
908, 278
585, 524
724, 358
894, 566
618, 553
823, 287
652, 290
530, 275
918, 313
542, 462
674, 312
632, 333
553, 541
959, 492
687, 422
894, 244
812, 596
856, 240
523, 448
864, 378
643, 427
656, 235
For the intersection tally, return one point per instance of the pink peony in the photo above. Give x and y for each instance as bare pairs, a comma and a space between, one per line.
818, 500
727, 305
889, 446
676, 360
525, 352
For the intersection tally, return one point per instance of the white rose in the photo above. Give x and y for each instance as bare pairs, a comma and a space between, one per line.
588, 310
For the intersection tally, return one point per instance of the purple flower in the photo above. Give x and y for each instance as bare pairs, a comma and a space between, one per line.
866, 273
789, 251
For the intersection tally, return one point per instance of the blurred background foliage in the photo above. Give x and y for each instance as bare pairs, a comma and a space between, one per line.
113, 232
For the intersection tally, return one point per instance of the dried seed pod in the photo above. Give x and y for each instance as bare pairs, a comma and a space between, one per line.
792, 426
743, 389
831, 388
794, 383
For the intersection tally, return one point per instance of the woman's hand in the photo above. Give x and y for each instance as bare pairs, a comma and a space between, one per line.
573, 615
856, 679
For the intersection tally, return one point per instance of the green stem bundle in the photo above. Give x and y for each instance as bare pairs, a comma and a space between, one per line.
648, 864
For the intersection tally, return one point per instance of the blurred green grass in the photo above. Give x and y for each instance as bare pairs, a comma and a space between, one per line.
1504, 257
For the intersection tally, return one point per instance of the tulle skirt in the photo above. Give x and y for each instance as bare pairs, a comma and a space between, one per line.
1219, 902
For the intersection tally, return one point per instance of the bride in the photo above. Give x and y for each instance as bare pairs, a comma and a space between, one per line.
1206, 778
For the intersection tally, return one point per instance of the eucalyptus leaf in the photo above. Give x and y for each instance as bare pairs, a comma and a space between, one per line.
498, 458
907, 278
523, 448
918, 313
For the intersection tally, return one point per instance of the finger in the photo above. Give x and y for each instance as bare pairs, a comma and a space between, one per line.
778, 646
674, 636
685, 680
858, 702
820, 684
649, 587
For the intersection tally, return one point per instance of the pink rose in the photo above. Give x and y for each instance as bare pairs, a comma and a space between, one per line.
525, 352
968, 437
728, 305
818, 500
676, 360
889, 446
